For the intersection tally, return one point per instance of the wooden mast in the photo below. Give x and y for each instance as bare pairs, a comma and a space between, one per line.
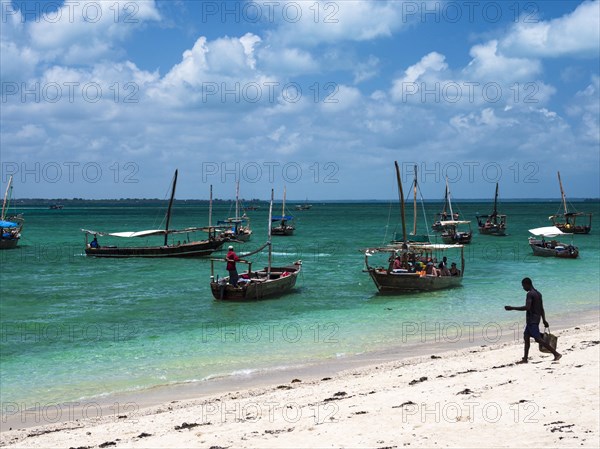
449, 200
4, 205
415, 203
562, 194
210, 209
495, 202
169, 209
237, 200
283, 204
401, 194
269, 235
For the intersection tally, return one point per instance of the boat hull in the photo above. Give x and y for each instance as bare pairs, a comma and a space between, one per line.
285, 231
9, 243
573, 229
498, 231
192, 249
411, 282
461, 238
259, 286
556, 249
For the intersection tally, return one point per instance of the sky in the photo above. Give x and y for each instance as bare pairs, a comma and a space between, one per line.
105, 99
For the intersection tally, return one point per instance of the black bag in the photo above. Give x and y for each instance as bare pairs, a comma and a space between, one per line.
549, 338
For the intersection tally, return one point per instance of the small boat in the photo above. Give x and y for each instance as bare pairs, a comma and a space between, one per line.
304, 206
187, 248
10, 225
566, 221
238, 227
270, 282
455, 231
283, 228
493, 224
416, 270
443, 215
56, 207
552, 248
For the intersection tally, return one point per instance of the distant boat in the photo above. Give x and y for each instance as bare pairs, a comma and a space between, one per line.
187, 248
443, 215
56, 206
10, 226
269, 282
304, 206
284, 228
238, 227
566, 221
416, 261
455, 231
551, 248
493, 224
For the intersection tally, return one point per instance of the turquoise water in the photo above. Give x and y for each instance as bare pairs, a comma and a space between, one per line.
76, 327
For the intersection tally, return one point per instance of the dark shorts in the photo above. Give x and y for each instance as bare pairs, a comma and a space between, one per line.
533, 331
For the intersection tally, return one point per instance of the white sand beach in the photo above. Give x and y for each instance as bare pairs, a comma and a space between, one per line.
472, 397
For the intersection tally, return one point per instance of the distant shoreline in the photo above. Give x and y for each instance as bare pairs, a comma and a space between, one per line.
47, 202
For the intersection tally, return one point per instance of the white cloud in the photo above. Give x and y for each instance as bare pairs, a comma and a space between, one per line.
575, 34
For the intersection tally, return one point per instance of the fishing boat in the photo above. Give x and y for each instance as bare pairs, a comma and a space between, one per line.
455, 231
304, 206
552, 248
567, 221
269, 282
411, 267
283, 228
493, 224
443, 215
238, 227
56, 207
185, 248
10, 225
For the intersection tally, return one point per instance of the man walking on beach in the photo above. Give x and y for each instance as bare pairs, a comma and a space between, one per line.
534, 308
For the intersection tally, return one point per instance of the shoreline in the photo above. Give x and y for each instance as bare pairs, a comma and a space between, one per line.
16, 416
128, 412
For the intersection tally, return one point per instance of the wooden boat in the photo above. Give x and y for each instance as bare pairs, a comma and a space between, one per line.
443, 215
455, 231
236, 228
416, 260
567, 221
56, 207
551, 248
269, 282
493, 224
304, 206
187, 248
283, 228
10, 225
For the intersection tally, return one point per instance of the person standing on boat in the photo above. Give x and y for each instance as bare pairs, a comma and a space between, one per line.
534, 308
231, 259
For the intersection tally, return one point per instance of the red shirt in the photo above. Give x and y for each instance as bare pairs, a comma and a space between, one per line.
232, 258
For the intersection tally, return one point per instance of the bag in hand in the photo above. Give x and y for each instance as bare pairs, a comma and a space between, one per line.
549, 338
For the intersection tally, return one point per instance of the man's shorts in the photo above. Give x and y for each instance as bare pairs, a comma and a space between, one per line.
533, 331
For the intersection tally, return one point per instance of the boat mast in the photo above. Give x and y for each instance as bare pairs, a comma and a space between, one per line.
237, 200
283, 204
401, 194
269, 234
449, 200
562, 194
415, 203
495, 202
4, 203
210, 208
169, 209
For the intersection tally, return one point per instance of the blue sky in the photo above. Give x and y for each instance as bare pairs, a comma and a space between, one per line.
104, 99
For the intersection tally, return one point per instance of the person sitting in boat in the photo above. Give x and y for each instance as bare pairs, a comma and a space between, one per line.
397, 263
94, 243
453, 270
430, 269
443, 267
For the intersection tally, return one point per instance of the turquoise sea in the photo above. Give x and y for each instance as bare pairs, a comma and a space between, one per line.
75, 327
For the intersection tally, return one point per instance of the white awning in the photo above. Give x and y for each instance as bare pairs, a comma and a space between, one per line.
547, 231
454, 222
